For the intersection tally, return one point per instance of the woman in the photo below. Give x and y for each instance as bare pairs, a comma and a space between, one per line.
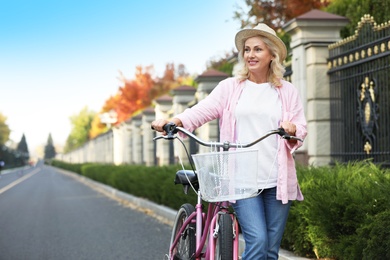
253, 102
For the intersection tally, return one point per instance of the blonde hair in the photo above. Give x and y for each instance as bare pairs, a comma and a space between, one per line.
275, 72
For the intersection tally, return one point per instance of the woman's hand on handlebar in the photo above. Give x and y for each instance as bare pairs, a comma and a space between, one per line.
289, 128
158, 125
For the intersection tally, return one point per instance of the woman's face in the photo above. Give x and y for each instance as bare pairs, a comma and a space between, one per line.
257, 55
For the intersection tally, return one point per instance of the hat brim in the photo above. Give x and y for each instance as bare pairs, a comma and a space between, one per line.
244, 34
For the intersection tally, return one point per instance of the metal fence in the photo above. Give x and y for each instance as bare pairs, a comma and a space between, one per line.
359, 71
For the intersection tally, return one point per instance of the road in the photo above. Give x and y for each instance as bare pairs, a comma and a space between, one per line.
45, 214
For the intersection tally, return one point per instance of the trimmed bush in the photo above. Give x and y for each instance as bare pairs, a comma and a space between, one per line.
153, 183
339, 201
73, 167
374, 237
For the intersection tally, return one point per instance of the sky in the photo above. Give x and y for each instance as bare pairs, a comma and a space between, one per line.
60, 56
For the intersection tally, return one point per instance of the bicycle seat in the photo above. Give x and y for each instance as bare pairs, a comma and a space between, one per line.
183, 176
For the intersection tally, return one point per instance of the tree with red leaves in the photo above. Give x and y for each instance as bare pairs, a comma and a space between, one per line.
138, 93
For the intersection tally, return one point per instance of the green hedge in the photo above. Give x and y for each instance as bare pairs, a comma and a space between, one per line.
345, 214
73, 167
153, 183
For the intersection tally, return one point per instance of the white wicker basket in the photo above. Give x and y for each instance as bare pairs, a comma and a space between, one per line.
227, 176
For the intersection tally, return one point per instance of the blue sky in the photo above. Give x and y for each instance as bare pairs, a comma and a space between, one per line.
58, 56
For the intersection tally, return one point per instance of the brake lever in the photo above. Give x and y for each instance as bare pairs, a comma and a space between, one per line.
158, 137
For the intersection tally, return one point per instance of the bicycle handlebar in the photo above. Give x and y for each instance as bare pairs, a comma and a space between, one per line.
171, 129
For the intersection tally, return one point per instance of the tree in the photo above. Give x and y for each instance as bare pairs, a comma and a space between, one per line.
81, 125
50, 151
4, 130
136, 94
275, 13
183, 77
132, 96
22, 150
354, 10
97, 127
222, 64
170, 80
22, 145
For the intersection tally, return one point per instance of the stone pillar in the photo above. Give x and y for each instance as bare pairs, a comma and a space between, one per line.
91, 151
100, 148
148, 115
136, 143
311, 33
126, 139
182, 97
121, 143
207, 81
107, 147
117, 146
164, 111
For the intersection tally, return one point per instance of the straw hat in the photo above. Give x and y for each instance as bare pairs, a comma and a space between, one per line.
261, 30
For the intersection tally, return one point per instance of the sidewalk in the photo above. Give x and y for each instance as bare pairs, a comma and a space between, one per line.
164, 214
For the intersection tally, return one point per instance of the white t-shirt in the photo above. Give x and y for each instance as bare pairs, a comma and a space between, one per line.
258, 111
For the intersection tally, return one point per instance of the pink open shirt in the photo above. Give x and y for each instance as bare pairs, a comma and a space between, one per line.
221, 103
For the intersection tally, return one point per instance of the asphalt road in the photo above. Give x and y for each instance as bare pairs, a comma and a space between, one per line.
45, 214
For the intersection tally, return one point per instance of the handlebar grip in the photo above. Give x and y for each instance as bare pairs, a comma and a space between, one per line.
170, 129
286, 136
283, 133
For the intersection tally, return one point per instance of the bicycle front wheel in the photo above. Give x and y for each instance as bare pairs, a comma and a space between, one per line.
186, 245
224, 243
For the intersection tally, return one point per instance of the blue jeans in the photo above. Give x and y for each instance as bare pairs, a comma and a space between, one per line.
262, 220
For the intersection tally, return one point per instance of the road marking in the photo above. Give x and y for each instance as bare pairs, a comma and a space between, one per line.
25, 177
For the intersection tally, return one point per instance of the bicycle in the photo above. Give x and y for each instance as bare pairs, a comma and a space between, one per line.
213, 234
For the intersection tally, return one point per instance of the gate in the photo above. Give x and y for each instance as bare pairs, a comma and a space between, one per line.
359, 73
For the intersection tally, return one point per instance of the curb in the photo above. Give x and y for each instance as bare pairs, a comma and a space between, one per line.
163, 213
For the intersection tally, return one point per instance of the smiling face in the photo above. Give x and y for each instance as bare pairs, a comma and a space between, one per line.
257, 55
